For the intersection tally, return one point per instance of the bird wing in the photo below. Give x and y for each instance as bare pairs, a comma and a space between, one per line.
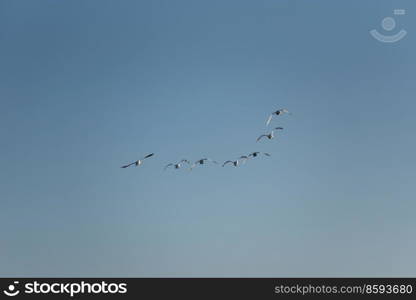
279, 128
148, 155
259, 138
211, 160
128, 165
244, 158
228, 161
267, 154
167, 166
269, 119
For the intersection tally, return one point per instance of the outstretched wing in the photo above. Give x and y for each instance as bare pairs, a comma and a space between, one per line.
228, 161
269, 119
126, 166
167, 166
279, 128
211, 160
259, 138
267, 154
243, 158
148, 155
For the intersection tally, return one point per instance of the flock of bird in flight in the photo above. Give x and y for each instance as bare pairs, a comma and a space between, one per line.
242, 159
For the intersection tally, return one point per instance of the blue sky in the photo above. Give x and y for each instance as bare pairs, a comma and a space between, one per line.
86, 86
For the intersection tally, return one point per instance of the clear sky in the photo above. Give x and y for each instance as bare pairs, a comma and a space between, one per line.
89, 85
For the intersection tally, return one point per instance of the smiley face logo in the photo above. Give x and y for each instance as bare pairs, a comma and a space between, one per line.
11, 289
389, 24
